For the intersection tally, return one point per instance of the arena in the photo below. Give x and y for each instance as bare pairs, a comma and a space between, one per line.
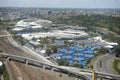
32, 24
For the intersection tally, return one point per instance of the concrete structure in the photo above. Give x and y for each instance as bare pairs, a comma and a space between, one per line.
32, 24
84, 74
76, 28
67, 34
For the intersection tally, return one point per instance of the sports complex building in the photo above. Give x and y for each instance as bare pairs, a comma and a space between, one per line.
26, 26
65, 34
32, 24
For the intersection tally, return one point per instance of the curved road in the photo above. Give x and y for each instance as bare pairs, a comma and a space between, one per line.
103, 63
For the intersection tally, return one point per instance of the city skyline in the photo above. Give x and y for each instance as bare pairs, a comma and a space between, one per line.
61, 3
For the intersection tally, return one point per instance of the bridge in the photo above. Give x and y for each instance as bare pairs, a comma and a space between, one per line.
77, 72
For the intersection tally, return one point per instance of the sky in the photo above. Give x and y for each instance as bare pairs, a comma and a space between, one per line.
61, 3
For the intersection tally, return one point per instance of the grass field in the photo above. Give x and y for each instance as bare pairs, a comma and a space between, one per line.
116, 65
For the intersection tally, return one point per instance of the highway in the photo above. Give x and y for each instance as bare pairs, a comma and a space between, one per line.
86, 74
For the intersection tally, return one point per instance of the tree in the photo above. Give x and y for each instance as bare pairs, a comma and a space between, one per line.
77, 65
54, 48
103, 50
117, 51
34, 39
2, 69
63, 62
48, 51
1, 51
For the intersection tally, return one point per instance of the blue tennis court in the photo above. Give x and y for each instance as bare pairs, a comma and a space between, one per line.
75, 54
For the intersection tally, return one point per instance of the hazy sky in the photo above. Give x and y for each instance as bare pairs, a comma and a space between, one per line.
61, 3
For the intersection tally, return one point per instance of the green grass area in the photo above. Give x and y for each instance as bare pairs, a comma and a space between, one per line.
92, 61
5, 74
3, 71
97, 53
1, 51
90, 64
116, 65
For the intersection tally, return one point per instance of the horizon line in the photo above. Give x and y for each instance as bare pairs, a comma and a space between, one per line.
53, 7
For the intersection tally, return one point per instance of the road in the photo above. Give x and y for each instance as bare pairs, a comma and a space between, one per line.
102, 63
76, 71
106, 64
18, 71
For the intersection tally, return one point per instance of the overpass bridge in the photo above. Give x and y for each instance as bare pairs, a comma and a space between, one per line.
80, 73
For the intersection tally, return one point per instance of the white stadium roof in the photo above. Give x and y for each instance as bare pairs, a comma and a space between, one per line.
32, 22
57, 33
